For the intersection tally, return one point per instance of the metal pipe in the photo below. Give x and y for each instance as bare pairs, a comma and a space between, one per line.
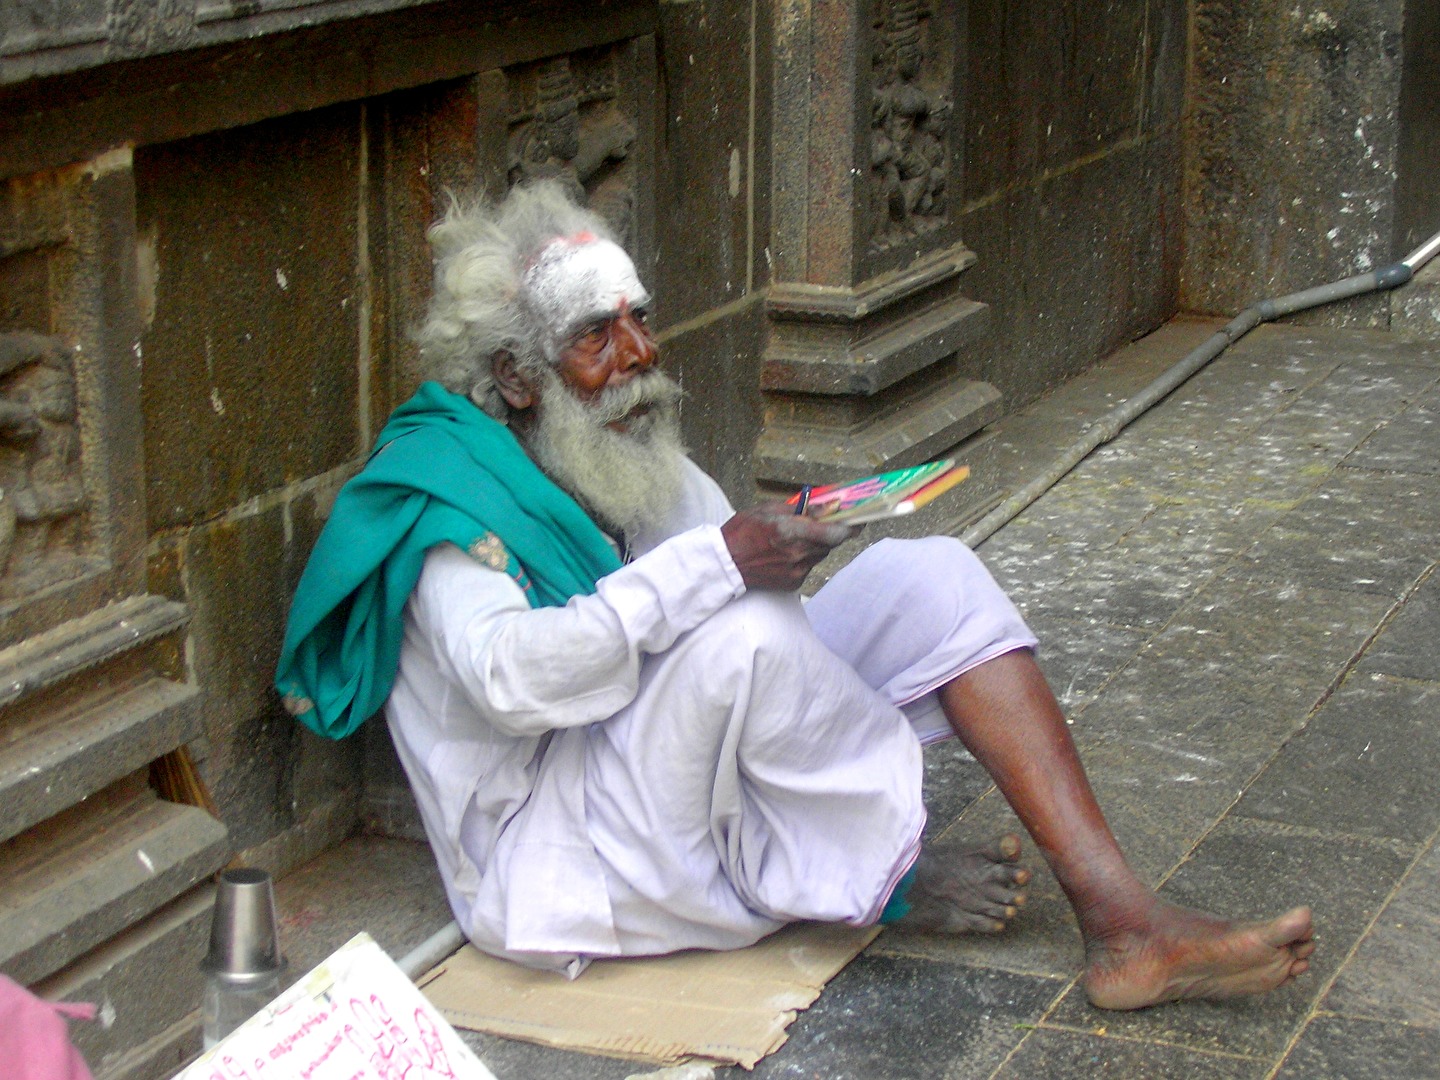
1423, 254
1117, 419
432, 950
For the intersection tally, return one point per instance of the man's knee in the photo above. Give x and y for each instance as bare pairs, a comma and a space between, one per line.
923, 559
760, 626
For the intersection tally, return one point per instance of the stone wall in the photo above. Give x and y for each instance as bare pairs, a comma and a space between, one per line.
1311, 149
1072, 180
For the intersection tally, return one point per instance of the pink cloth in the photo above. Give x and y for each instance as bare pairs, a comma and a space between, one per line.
34, 1041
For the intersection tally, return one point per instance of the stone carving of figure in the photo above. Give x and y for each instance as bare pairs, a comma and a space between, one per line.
908, 155
582, 152
41, 494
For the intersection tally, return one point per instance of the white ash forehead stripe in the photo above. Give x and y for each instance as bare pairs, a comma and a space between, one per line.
573, 279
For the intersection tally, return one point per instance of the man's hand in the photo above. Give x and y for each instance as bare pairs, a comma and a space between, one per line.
774, 548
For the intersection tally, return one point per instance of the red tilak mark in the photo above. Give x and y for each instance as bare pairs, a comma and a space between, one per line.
577, 240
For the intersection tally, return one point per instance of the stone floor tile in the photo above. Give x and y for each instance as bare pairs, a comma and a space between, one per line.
1372, 382
1274, 625
1160, 698
1161, 795
331, 899
1360, 531
1029, 571
1073, 1055
1341, 1048
1251, 660
902, 1018
953, 781
1407, 646
1239, 667
1248, 869
1082, 512
1126, 588
1365, 765
1368, 564
1408, 443
1393, 975
1079, 655
1317, 436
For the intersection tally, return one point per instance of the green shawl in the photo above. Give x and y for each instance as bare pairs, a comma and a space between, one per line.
442, 471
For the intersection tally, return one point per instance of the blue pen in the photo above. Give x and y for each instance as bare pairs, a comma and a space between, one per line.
803, 501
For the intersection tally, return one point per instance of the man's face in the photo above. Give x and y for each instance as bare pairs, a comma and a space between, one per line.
593, 308
606, 419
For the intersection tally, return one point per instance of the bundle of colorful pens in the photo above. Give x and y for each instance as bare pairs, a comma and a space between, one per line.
884, 495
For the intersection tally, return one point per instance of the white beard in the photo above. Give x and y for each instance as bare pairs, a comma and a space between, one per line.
629, 482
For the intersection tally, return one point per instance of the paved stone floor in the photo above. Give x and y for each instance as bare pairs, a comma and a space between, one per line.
1239, 609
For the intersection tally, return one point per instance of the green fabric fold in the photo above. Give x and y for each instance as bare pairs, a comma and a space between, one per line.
442, 471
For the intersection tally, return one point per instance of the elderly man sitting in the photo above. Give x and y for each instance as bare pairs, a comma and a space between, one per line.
625, 732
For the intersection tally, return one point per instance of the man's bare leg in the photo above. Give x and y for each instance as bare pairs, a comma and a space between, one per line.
1140, 950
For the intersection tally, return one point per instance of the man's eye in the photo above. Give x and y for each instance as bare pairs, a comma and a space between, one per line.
592, 335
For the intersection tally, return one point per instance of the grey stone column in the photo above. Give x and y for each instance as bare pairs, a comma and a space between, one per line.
865, 313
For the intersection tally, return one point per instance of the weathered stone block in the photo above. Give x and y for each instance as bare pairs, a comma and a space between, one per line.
1075, 267
1293, 148
1054, 82
251, 358
144, 980
1415, 307
718, 362
709, 192
264, 774
1417, 196
425, 145
82, 877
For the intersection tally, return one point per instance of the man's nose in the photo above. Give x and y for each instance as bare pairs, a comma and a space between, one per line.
634, 347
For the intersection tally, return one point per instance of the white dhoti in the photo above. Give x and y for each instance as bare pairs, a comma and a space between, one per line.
769, 755
743, 761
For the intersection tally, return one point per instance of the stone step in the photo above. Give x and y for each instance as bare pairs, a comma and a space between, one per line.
46, 767
147, 983
819, 358
810, 454
84, 875
43, 660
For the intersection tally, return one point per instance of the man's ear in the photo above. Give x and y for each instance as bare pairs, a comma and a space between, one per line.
517, 390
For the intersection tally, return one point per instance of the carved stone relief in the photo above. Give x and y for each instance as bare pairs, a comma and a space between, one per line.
909, 126
42, 500
71, 495
33, 25
566, 122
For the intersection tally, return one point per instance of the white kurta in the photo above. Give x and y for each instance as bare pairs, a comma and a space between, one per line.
673, 762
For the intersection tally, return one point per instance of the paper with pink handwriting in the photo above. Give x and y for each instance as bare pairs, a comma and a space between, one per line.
354, 1017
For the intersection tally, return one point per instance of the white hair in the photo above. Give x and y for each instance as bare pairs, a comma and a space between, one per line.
478, 306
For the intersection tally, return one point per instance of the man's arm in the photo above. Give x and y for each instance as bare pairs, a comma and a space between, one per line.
527, 670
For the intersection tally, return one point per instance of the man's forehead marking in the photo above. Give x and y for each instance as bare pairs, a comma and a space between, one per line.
577, 277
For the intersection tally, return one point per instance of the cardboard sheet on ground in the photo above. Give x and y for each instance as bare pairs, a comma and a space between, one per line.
730, 1007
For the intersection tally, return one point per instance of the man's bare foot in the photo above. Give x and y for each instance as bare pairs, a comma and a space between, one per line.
960, 891
1172, 952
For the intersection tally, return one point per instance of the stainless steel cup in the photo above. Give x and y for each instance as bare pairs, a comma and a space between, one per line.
244, 942
244, 963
